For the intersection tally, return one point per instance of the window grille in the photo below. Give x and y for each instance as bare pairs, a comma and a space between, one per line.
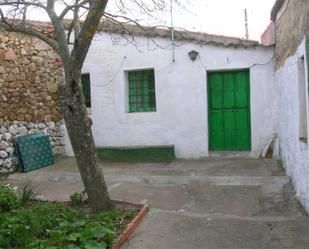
142, 91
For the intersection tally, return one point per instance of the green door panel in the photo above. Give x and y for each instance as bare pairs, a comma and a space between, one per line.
228, 92
242, 129
229, 110
216, 93
229, 130
242, 90
216, 127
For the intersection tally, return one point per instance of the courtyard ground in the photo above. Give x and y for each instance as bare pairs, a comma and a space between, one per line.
195, 204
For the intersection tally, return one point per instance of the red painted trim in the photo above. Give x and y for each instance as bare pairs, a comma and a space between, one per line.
125, 235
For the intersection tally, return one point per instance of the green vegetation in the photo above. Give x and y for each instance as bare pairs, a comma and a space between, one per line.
3, 175
26, 194
78, 199
29, 224
8, 200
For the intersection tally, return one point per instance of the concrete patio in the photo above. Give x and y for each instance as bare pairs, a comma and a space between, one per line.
195, 204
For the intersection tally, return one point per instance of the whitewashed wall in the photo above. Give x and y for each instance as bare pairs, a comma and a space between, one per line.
293, 152
181, 94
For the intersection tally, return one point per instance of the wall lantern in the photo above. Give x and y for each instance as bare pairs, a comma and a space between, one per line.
193, 54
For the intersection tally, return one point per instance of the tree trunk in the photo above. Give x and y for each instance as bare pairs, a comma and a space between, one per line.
79, 129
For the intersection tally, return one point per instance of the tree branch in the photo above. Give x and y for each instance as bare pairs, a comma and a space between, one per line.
76, 21
88, 29
70, 7
17, 3
64, 51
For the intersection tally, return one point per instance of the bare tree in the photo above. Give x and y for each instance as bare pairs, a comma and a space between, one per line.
86, 16
70, 95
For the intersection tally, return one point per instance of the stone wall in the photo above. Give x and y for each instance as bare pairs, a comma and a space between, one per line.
29, 74
291, 27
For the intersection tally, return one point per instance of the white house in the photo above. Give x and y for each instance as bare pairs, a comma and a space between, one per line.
147, 91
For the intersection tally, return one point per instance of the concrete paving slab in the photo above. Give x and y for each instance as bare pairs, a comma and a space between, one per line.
211, 203
174, 230
196, 197
208, 167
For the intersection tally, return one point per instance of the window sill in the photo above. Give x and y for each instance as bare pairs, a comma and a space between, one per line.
142, 112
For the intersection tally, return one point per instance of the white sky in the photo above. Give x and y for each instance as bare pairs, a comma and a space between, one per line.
223, 17
226, 17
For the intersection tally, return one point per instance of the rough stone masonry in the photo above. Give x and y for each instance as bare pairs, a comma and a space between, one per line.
29, 74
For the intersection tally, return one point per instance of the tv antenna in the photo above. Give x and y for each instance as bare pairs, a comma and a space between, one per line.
246, 24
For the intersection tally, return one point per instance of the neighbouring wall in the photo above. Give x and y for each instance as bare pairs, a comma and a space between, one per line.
294, 152
291, 26
29, 76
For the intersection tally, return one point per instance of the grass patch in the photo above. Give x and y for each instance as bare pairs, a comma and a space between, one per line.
4, 175
45, 225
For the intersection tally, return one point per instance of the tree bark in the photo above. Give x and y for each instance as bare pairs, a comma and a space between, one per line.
79, 129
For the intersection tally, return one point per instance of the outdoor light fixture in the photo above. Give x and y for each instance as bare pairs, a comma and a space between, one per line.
193, 54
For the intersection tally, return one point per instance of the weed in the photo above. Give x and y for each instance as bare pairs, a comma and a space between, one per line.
8, 200
8, 186
26, 194
3, 175
78, 199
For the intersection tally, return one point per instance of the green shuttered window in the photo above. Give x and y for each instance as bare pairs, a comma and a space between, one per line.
142, 97
86, 89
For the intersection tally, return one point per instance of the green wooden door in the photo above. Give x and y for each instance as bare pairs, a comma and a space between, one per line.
229, 111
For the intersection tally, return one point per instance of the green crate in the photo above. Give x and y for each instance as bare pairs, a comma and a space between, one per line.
33, 151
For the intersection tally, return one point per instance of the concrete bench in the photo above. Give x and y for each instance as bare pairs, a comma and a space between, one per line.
157, 153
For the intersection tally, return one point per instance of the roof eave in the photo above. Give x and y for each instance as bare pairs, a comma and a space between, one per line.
274, 11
